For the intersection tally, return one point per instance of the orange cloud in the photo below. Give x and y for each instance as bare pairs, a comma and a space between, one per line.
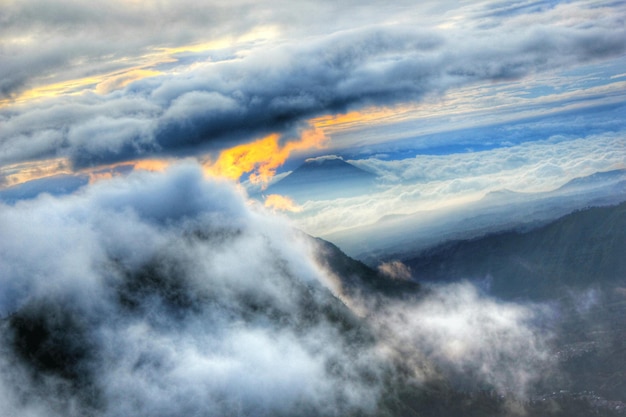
100, 83
132, 67
151, 165
371, 116
22, 172
103, 173
354, 118
262, 157
99, 176
279, 202
122, 79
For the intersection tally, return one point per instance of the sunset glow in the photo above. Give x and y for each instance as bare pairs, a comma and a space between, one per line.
262, 157
281, 203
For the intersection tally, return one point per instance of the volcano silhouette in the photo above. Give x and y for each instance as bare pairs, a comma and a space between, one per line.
322, 179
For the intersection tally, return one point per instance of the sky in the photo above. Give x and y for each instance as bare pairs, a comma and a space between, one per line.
86, 86
139, 137
249, 90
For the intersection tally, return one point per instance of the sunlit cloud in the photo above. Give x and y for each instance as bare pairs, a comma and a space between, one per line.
116, 170
261, 33
154, 165
15, 174
100, 84
281, 203
121, 80
262, 157
355, 118
132, 68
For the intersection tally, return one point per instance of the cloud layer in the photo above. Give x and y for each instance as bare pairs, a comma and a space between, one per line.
278, 87
164, 294
432, 184
171, 296
474, 339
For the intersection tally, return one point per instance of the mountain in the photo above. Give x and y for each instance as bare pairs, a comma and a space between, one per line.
356, 277
401, 235
322, 179
580, 249
575, 264
614, 177
57, 350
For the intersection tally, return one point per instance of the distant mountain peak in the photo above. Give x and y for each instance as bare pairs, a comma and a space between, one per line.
324, 178
597, 178
501, 193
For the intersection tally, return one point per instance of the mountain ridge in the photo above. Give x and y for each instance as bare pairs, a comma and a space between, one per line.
496, 211
566, 251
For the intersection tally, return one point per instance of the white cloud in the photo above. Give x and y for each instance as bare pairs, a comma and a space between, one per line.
441, 182
195, 303
324, 158
473, 338
175, 296
338, 66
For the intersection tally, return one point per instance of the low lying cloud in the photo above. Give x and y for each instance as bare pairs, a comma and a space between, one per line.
435, 193
540, 165
167, 293
395, 270
472, 338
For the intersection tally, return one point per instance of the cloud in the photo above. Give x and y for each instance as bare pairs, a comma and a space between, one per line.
261, 158
323, 158
395, 270
279, 202
551, 157
277, 88
434, 185
166, 293
473, 338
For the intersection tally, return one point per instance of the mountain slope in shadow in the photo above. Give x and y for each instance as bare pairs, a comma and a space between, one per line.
577, 265
580, 249
404, 235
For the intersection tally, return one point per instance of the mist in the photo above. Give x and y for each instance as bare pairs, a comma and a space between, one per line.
161, 294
